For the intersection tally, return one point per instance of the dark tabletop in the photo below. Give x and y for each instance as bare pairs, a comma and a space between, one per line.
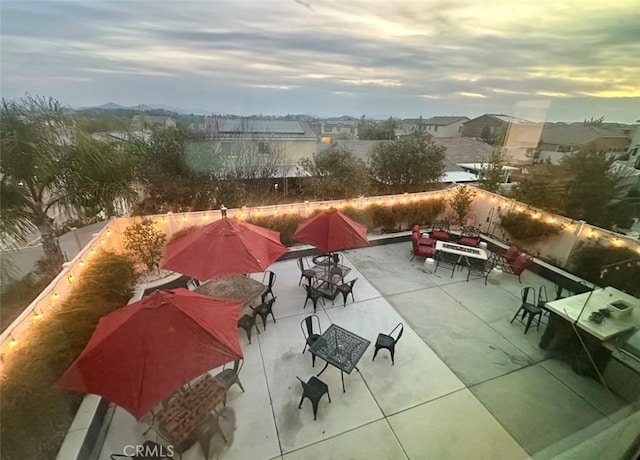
340, 348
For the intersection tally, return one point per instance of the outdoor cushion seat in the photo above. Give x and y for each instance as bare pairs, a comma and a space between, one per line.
467, 241
420, 251
512, 253
422, 240
439, 235
519, 265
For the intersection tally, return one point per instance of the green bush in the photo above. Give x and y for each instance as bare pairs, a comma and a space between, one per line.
422, 213
144, 243
286, 224
183, 232
523, 227
588, 259
35, 414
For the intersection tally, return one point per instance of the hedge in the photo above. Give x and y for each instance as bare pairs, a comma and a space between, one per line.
34, 414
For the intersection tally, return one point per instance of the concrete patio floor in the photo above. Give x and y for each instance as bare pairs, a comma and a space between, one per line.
466, 382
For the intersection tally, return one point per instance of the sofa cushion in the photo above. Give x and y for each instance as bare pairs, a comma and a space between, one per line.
468, 241
439, 235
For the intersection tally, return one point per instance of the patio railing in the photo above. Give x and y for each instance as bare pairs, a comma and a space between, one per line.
557, 246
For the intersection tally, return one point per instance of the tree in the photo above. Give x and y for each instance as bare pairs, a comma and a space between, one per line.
410, 162
336, 173
493, 136
378, 131
581, 187
461, 201
491, 175
144, 243
48, 166
594, 121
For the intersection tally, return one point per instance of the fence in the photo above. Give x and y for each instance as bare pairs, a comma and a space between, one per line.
109, 238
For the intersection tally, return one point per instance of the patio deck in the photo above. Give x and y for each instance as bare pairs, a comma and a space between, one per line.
466, 383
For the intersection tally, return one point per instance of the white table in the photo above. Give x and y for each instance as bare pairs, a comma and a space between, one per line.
461, 250
570, 308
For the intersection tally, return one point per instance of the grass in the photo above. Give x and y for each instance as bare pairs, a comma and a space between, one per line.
34, 414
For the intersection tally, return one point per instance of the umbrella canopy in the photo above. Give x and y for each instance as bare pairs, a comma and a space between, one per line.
331, 231
224, 248
143, 352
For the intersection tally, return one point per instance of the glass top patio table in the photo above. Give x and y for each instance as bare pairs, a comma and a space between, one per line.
340, 348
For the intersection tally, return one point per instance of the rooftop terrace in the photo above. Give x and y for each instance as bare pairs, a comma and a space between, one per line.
466, 383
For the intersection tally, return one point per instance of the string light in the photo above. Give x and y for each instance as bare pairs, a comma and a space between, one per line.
70, 278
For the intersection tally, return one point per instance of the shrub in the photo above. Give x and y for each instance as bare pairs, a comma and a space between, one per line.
183, 232
35, 413
144, 243
523, 227
17, 295
383, 217
422, 213
588, 259
461, 201
286, 224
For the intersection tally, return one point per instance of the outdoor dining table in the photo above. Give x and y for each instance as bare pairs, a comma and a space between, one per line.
189, 409
340, 348
241, 288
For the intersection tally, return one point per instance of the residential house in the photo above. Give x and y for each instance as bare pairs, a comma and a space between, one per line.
494, 123
634, 150
436, 126
294, 139
340, 128
146, 121
557, 140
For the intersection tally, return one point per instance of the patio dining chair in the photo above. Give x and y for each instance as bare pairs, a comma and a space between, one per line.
248, 322
305, 272
447, 260
230, 376
310, 335
345, 289
314, 390
207, 431
314, 295
470, 236
477, 267
388, 342
272, 281
264, 310
528, 308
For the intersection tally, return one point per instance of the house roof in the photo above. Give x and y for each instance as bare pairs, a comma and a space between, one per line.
576, 135
240, 127
502, 118
440, 121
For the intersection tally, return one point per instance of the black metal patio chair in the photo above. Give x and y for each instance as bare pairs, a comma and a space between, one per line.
478, 267
231, 376
314, 390
264, 310
305, 272
248, 322
345, 289
314, 295
528, 308
310, 335
446, 260
388, 342
207, 431
272, 281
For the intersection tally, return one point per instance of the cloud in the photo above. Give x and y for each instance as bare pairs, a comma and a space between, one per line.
455, 56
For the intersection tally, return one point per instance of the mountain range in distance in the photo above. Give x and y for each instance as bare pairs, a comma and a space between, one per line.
147, 108
200, 111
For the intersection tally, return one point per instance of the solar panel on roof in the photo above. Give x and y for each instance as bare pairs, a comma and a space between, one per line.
240, 125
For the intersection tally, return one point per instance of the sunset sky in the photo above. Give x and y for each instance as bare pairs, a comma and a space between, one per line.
402, 58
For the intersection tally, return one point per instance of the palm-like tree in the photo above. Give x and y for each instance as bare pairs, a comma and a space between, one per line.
48, 166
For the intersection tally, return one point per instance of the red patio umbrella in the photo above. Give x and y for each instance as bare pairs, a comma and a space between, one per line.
331, 231
224, 248
143, 352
